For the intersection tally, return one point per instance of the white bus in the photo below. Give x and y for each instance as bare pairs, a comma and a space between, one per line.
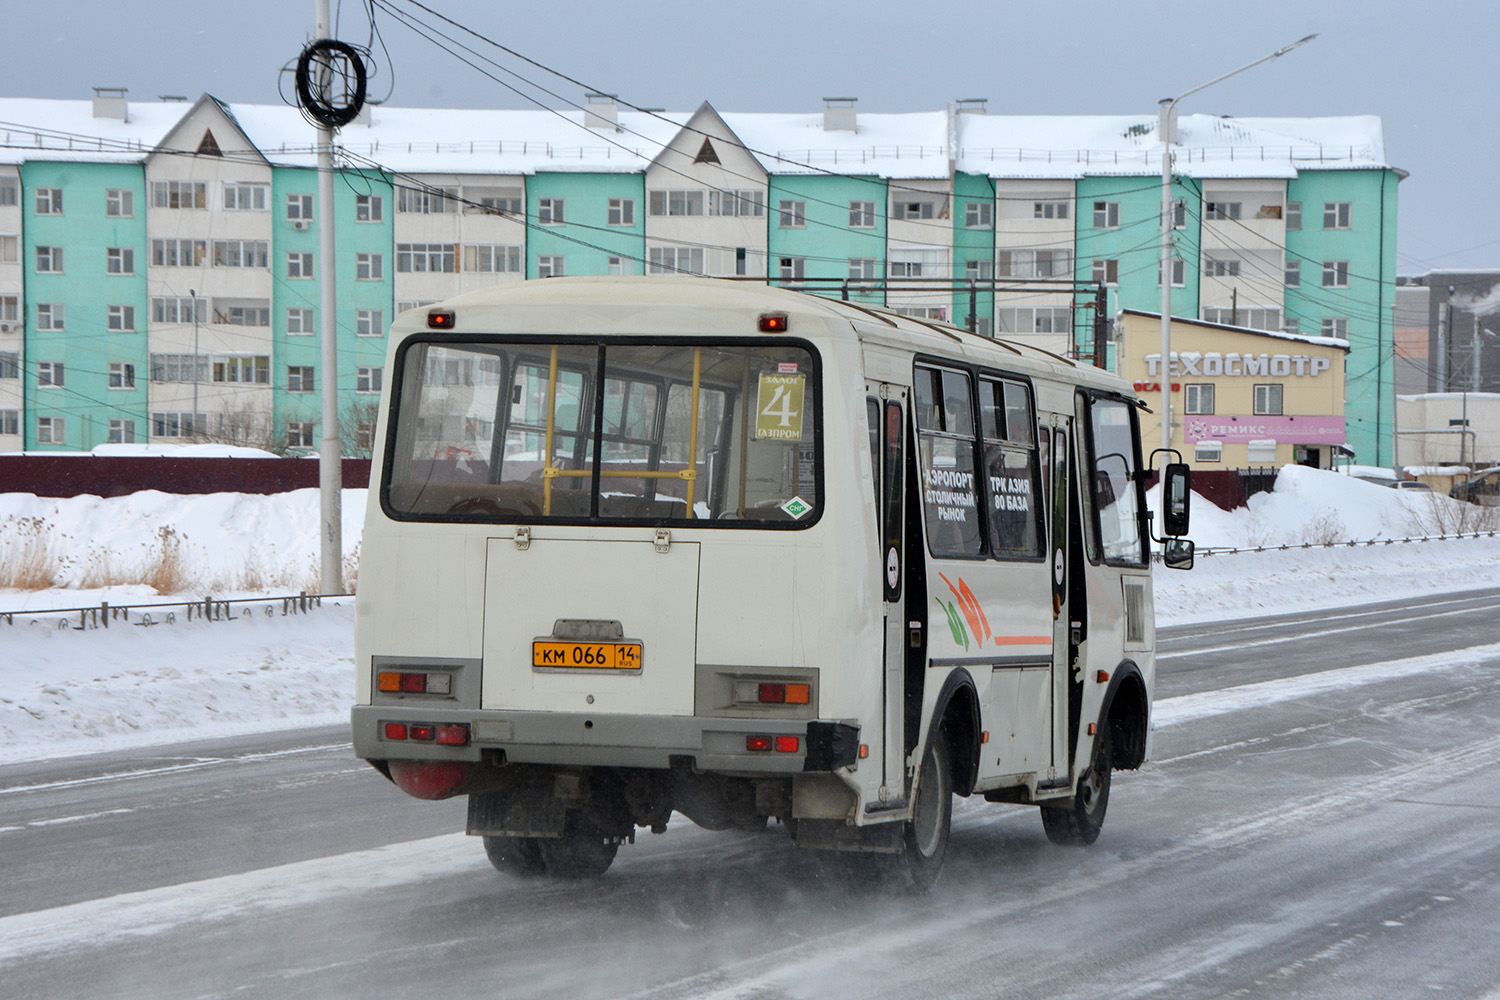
644, 546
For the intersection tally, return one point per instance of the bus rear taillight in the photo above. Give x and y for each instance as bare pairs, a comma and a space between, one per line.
772, 693
765, 744
414, 682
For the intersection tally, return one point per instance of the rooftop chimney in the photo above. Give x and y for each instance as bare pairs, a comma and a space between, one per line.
109, 102
973, 105
601, 112
839, 114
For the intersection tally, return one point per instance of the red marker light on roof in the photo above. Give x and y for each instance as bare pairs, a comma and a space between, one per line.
440, 320
774, 323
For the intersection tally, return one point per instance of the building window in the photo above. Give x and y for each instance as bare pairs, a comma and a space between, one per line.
51, 316
246, 253
675, 202
1221, 210
121, 375
1049, 210
299, 378
746, 204
1208, 451
1179, 273
1291, 326
1106, 215
49, 260
178, 253
1034, 264
494, 201
179, 368
250, 313
1221, 267
1294, 216
369, 208
299, 433
1254, 317
425, 258
179, 194
793, 215
979, 215
122, 431
367, 380
913, 210
1293, 273
914, 263
299, 323
10, 364
1268, 400
166, 424
10, 191
549, 266
550, 211
369, 267
51, 374
10, 308
492, 258
1335, 327
1046, 319
9, 249
49, 201
299, 265
791, 268
614, 265
1105, 271
364, 436
299, 208
1336, 214
979, 270
621, 211
1198, 398
171, 309
861, 215
119, 203
369, 322
864, 268
1179, 214
247, 197
10, 421
51, 430
674, 260
429, 200
1335, 274
121, 319
119, 260
242, 368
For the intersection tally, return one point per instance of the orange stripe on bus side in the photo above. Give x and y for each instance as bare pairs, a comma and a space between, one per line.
1023, 640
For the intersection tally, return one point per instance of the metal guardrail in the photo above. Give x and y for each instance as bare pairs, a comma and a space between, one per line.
1360, 543
208, 609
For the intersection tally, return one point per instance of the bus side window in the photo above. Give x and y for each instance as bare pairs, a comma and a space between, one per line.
1011, 469
945, 446
872, 414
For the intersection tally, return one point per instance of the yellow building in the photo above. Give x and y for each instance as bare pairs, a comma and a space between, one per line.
1240, 397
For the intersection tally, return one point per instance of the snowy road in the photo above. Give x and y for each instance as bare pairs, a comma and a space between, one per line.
1320, 821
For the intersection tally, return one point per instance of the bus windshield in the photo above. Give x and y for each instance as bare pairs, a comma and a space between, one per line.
604, 431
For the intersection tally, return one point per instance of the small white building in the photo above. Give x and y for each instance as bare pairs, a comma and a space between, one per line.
1448, 428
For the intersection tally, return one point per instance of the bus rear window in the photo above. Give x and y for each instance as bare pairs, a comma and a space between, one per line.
510, 431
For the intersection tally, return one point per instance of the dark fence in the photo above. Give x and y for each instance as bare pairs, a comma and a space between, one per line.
79, 475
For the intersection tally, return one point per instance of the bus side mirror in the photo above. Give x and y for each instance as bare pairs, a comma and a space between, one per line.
1177, 554
1175, 492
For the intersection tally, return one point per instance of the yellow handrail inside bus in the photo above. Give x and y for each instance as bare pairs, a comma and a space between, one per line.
548, 472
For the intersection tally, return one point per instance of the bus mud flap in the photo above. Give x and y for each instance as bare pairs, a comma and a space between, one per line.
528, 811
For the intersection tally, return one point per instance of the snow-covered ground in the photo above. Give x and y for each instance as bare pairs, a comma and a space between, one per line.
66, 690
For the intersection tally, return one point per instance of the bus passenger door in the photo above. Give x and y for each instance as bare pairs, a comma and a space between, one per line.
1058, 488
886, 406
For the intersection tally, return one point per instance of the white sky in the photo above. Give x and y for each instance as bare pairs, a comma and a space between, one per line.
1426, 69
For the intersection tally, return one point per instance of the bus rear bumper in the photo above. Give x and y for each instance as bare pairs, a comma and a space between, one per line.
738, 745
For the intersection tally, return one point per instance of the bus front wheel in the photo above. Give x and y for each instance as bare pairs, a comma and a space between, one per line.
1077, 822
924, 838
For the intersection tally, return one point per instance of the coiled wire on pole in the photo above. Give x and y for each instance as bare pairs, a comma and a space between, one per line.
331, 79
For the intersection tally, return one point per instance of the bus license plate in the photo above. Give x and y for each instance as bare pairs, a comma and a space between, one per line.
586, 655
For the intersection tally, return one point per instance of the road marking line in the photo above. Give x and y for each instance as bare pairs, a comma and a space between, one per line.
1303, 636
195, 765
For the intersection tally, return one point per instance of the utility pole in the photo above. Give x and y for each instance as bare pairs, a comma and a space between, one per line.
330, 457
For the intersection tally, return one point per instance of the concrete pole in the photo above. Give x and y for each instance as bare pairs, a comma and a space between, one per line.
1166, 127
330, 457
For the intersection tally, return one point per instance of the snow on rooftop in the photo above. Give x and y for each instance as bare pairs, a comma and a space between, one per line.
915, 145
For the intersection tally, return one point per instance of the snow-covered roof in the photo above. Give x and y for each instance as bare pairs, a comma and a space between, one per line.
1300, 338
915, 145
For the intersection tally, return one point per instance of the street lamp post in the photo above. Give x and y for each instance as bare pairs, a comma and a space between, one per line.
1167, 129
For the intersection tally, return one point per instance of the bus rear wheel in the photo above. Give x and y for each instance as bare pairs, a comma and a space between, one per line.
1077, 823
924, 838
514, 855
581, 852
